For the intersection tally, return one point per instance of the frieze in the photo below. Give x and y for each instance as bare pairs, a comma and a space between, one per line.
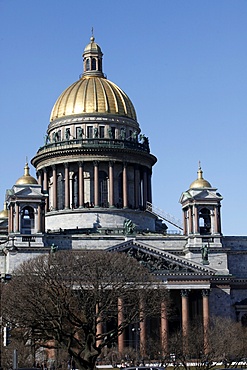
160, 262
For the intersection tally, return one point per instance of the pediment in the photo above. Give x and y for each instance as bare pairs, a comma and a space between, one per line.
207, 194
161, 262
28, 192
200, 194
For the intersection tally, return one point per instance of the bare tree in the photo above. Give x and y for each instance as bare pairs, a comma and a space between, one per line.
70, 299
226, 342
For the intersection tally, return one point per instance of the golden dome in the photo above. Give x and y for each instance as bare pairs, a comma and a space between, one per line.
200, 182
4, 213
92, 94
26, 179
92, 46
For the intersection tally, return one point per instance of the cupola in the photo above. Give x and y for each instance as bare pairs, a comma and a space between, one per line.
200, 182
26, 179
92, 59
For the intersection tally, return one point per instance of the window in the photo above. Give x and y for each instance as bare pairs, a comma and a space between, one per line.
113, 130
204, 221
27, 220
103, 189
102, 132
87, 65
94, 64
89, 132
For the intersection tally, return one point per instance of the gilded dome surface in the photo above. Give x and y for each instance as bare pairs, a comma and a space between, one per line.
4, 213
93, 93
26, 179
96, 95
200, 182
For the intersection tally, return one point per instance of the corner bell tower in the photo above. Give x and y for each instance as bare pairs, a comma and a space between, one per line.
201, 205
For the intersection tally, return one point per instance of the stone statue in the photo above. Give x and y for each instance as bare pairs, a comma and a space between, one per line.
79, 133
204, 250
110, 133
54, 248
57, 137
95, 133
134, 135
47, 139
67, 134
123, 134
128, 226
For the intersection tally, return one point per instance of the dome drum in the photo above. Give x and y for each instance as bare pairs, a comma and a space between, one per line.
92, 129
94, 153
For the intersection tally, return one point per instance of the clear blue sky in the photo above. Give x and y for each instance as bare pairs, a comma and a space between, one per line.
182, 63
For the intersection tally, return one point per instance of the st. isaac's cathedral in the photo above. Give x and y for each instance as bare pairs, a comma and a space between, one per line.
93, 191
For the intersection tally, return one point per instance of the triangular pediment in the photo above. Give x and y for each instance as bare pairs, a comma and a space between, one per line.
200, 194
28, 192
161, 262
207, 194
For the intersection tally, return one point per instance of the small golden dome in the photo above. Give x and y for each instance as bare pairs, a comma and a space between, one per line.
200, 182
92, 94
26, 179
4, 213
92, 46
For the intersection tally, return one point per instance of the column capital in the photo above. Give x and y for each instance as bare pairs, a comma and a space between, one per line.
96, 163
80, 163
54, 167
205, 292
184, 292
66, 165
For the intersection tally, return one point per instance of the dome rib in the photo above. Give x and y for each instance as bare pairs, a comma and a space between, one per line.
93, 94
85, 95
114, 96
67, 99
75, 97
105, 95
57, 106
121, 97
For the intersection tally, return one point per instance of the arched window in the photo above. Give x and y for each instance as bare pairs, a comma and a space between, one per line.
103, 189
87, 65
205, 221
93, 64
27, 220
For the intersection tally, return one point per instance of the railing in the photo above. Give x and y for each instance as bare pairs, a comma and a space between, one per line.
29, 239
163, 215
98, 143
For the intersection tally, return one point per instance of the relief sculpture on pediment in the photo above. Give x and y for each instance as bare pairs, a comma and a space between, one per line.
153, 263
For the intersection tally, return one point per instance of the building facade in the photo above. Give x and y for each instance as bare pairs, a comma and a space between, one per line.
94, 190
